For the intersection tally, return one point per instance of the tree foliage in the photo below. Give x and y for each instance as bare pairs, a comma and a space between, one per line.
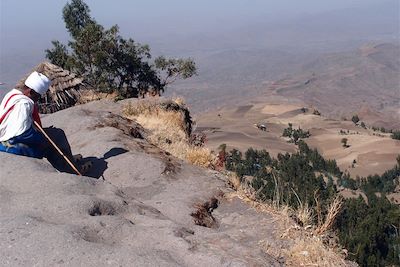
295, 134
384, 183
344, 142
355, 119
59, 55
175, 68
369, 230
292, 176
396, 135
108, 62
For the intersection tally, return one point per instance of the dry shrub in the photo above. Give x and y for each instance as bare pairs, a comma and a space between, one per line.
304, 214
311, 251
248, 195
304, 247
140, 107
234, 181
179, 100
333, 211
91, 95
199, 156
167, 131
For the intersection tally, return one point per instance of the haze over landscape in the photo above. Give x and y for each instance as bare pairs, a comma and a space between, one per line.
283, 150
237, 45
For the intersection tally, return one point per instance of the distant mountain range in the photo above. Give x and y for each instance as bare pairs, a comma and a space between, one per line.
364, 82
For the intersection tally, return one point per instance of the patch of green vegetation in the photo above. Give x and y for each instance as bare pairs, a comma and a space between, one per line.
369, 230
355, 119
385, 183
295, 134
288, 178
396, 135
110, 63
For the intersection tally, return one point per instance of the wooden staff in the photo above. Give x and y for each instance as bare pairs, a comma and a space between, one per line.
56, 147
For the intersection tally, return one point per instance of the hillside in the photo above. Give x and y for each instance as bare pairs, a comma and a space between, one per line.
138, 211
226, 75
374, 152
305, 155
364, 82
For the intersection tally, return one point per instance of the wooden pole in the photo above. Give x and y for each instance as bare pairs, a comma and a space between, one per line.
56, 147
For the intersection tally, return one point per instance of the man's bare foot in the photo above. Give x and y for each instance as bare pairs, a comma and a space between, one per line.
77, 157
85, 167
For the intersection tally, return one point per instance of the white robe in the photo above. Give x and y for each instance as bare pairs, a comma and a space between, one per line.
17, 120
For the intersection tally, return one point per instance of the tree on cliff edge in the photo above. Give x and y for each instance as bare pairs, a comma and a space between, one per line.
108, 62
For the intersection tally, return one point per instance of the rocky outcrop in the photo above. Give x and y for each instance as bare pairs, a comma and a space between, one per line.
138, 212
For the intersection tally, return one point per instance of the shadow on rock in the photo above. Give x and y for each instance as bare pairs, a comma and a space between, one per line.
98, 165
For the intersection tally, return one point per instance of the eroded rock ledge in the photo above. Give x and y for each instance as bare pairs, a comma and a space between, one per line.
137, 214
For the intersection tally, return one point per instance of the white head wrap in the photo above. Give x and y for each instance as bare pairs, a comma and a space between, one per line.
38, 82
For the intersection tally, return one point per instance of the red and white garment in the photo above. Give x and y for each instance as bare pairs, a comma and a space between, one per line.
17, 113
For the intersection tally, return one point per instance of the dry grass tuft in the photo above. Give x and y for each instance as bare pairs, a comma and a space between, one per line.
91, 95
311, 251
167, 130
179, 100
333, 211
302, 246
248, 195
304, 214
141, 107
199, 156
305, 251
234, 181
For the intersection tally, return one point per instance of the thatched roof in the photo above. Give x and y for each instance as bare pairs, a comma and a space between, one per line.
64, 89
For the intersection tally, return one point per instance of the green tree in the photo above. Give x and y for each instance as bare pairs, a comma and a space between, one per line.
370, 231
355, 119
59, 55
295, 134
175, 68
108, 62
76, 17
396, 135
344, 142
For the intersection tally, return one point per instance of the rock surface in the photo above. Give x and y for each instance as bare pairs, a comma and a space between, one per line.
137, 213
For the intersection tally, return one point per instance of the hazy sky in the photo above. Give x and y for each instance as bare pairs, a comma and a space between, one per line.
151, 18
27, 27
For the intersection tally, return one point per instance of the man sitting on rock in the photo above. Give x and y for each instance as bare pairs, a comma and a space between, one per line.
18, 110
18, 135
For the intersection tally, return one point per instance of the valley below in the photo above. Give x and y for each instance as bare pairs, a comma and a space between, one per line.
373, 152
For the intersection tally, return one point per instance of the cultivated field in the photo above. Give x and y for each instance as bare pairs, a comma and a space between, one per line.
368, 152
